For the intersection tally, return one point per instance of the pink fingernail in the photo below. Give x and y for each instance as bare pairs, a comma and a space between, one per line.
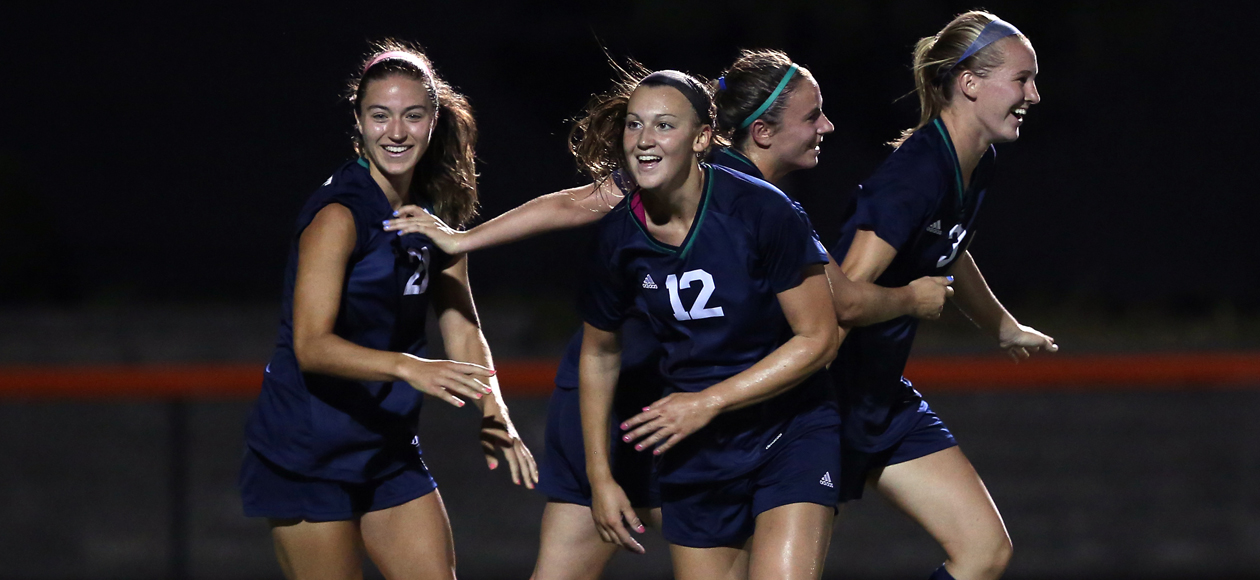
625, 425
638, 447
656, 452
626, 438
646, 408
493, 372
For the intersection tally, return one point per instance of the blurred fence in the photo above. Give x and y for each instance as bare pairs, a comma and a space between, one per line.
1104, 466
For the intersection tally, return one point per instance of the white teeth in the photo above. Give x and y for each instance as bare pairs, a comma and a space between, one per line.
396, 148
1021, 112
648, 158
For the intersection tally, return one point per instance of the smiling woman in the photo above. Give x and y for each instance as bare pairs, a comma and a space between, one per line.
727, 271
333, 459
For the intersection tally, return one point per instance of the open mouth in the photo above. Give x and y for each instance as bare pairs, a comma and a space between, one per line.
396, 150
1019, 113
648, 161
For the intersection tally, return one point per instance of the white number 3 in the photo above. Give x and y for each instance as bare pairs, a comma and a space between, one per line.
698, 309
956, 235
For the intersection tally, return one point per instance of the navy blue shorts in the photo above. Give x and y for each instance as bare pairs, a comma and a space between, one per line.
724, 513
928, 436
270, 491
562, 470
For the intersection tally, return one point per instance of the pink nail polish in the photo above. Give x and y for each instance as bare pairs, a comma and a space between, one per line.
646, 408
638, 447
626, 438
625, 425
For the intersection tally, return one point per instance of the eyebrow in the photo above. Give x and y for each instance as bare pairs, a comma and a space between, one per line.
411, 108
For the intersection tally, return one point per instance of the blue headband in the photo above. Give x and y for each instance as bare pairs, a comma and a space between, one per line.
993, 32
770, 99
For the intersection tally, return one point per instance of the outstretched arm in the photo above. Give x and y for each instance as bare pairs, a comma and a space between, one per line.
813, 344
977, 301
598, 369
323, 251
561, 210
461, 334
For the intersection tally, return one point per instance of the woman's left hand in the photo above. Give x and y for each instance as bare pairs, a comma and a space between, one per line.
665, 422
413, 219
1021, 341
498, 435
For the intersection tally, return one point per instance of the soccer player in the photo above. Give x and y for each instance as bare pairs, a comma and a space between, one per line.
728, 272
784, 137
333, 459
976, 80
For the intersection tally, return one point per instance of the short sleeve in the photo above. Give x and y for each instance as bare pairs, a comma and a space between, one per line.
786, 243
606, 299
894, 204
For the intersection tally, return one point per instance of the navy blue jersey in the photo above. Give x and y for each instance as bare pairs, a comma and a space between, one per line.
712, 303
639, 349
732, 158
340, 429
916, 203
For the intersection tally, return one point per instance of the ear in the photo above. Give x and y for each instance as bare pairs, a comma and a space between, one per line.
761, 132
358, 123
703, 138
968, 85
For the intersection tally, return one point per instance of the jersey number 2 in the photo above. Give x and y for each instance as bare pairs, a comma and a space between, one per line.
698, 309
418, 282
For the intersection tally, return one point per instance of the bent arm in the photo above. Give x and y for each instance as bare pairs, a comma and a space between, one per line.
323, 251
974, 297
815, 339
861, 302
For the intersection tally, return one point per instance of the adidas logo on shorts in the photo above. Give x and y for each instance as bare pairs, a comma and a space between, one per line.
935, 228
648, 283
826, 480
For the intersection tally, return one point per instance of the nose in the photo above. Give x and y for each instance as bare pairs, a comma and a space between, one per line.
826, 126
395, 130
1030, 93
646, 140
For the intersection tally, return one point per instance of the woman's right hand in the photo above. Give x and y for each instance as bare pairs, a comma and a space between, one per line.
413, 219
612, 512
445, 379
929, 294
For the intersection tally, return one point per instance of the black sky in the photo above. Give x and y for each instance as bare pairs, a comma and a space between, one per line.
161, 152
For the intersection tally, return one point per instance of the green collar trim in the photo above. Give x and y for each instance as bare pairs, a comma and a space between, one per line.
689, 241
949, 146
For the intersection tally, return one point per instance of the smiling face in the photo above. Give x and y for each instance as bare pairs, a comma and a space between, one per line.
1003, 97
396, 119
661, 137
796, 139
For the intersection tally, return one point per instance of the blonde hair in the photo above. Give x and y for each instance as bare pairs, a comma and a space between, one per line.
936, 64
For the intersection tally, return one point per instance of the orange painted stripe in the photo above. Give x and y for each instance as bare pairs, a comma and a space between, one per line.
534, 377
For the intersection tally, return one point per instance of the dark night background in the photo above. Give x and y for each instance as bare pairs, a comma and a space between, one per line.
161, 153
154, 156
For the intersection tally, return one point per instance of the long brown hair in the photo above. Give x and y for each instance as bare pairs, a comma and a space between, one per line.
595, 138
936, 64
749, 82
446, 176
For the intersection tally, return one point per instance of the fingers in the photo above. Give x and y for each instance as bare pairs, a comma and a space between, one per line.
487, 448
643, 431
654, 436
471, 369
418, 225
949, 291
530, 464
624, 538
663, 447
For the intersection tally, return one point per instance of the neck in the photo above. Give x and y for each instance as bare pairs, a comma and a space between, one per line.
968, 139
395, 187
767, 163
678, 198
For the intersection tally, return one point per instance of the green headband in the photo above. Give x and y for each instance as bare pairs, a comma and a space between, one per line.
770, 99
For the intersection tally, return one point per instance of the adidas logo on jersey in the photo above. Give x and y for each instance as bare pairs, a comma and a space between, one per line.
648, 283
935, 228
826, 480
329, 182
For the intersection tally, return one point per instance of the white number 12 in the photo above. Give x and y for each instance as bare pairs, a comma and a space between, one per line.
698, 309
